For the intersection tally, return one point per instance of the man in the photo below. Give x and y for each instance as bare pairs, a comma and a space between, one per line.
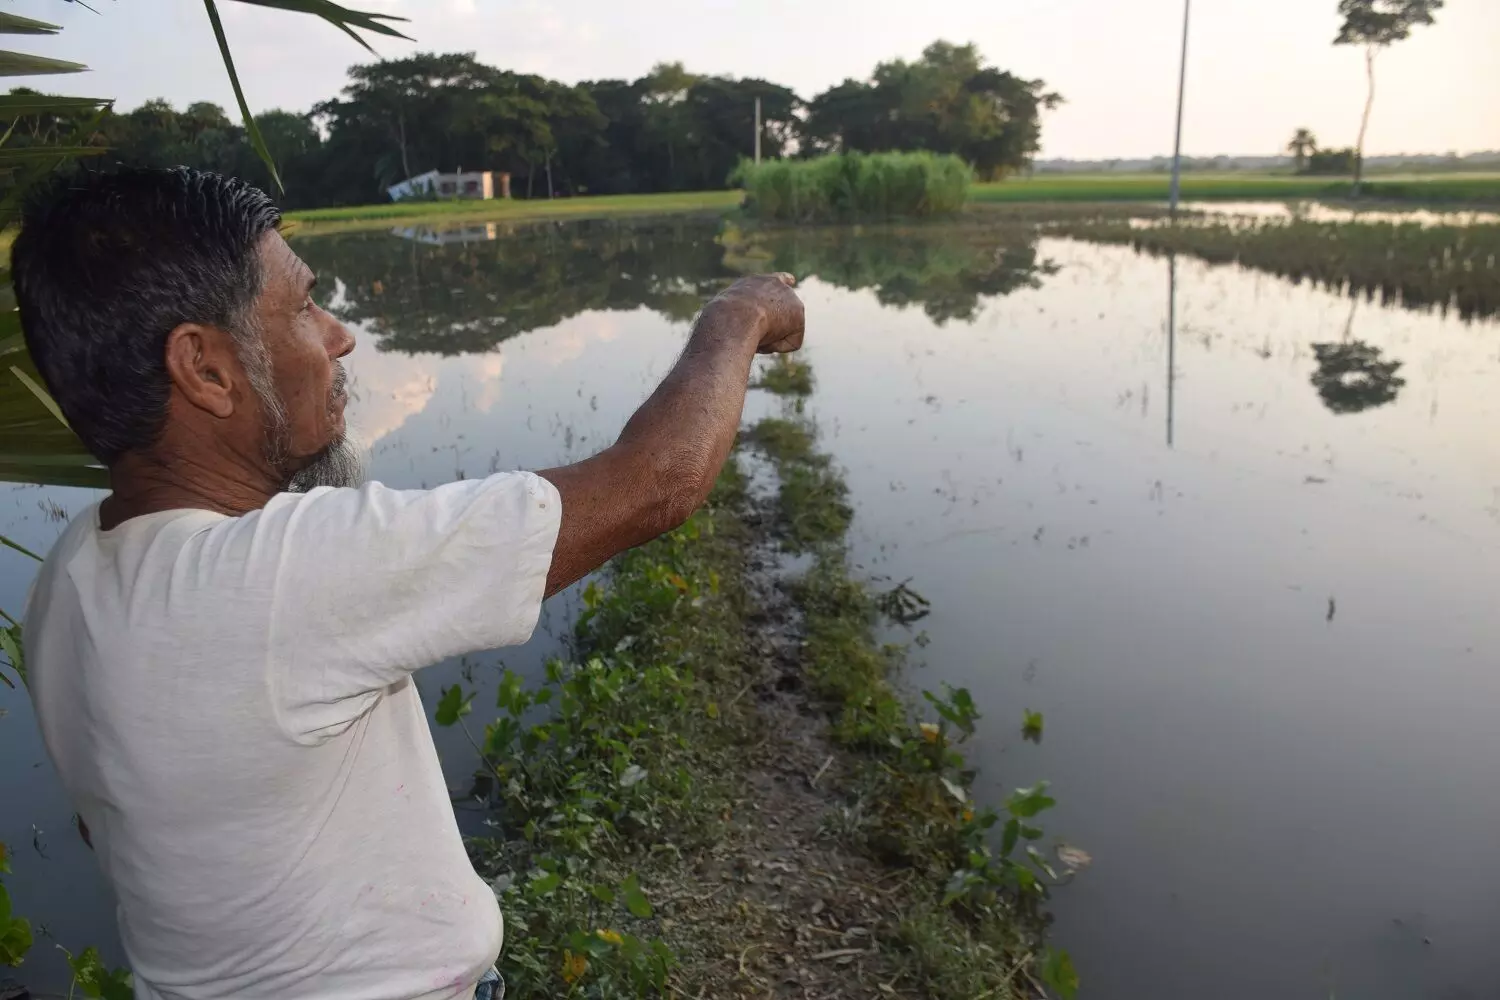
221, 650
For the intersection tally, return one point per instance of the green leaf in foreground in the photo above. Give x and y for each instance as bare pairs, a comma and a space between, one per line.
1057, 972
635, 900
15, 933
93, 978
453, 706
252, 130
42, 395
544, 884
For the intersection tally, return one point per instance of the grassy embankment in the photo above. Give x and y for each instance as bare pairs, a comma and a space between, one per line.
1433, 189
726, 794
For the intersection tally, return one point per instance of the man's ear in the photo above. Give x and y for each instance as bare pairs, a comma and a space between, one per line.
202, 366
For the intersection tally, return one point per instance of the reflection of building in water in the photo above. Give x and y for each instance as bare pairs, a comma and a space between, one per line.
482, 232
480, 184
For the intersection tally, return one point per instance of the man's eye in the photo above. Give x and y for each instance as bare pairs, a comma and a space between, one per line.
308, 304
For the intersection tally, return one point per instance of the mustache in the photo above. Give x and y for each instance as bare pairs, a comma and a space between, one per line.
340, 380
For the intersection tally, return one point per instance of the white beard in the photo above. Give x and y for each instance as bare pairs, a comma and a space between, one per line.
343, 464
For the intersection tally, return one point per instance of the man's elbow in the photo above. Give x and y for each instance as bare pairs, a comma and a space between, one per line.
683, 488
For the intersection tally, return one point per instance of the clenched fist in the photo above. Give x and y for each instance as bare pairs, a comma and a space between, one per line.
776, 311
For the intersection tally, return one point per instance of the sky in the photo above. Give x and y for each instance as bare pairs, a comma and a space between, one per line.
1257, 69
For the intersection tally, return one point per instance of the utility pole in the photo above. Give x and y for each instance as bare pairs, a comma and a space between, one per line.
1181, 87
757, 131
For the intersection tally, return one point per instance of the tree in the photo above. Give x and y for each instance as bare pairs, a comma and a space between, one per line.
1377, 24
1303, 145
948, 102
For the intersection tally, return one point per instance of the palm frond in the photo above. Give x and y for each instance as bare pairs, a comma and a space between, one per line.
252, 130
15, 24
26, 64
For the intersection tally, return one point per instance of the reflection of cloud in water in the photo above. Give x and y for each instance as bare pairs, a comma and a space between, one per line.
390, 388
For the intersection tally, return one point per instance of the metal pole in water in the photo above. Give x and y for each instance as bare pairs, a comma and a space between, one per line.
1181, 87
757, 131
1171, 342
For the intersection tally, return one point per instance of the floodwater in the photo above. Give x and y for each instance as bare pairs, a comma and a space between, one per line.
1316, 211
1236, 539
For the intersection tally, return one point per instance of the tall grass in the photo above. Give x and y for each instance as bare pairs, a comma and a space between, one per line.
848, 186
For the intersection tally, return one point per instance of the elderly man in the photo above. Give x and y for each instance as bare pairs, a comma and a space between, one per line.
221, 650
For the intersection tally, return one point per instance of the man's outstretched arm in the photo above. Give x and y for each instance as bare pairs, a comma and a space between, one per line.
667, 458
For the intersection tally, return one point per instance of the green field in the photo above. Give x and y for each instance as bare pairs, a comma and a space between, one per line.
1448, 188
325, 220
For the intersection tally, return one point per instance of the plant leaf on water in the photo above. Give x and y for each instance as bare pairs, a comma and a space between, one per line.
453, 706
1057, 972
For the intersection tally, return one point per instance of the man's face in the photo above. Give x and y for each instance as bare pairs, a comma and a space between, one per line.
304, 343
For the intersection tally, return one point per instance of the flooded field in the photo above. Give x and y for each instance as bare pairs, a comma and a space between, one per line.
1235, 538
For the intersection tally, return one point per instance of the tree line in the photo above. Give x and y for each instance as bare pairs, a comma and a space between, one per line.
670, 130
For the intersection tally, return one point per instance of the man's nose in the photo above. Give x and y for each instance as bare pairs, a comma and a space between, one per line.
343, 340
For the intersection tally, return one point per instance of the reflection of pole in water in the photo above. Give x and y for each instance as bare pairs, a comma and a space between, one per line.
1171, 340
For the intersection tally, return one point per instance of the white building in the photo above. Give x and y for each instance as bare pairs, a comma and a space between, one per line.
479, 184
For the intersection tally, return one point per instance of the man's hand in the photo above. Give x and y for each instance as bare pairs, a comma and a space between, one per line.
771, 297
667, 458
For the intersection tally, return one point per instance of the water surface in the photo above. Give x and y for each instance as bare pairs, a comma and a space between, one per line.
1238, 546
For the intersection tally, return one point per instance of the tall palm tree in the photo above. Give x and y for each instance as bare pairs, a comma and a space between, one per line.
1302, 146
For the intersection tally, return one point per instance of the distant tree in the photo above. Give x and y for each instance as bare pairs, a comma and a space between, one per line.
1332, 162
1303, 145
1376, 24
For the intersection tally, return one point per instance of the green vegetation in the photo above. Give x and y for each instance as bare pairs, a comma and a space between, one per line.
1414, 265
1433, 188
637, 849
850, 186
786, 376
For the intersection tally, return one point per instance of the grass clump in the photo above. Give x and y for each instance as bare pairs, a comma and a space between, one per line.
843, 187
786, 377
813, 501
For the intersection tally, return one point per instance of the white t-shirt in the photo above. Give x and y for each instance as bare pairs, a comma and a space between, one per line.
229, 703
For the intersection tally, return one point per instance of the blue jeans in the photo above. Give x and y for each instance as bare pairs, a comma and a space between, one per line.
491, 987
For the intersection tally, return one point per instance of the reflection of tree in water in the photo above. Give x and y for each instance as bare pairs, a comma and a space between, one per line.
452, 298
947, 270
1352, 377
468, 297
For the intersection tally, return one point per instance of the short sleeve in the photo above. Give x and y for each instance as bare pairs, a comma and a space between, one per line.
370, 584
